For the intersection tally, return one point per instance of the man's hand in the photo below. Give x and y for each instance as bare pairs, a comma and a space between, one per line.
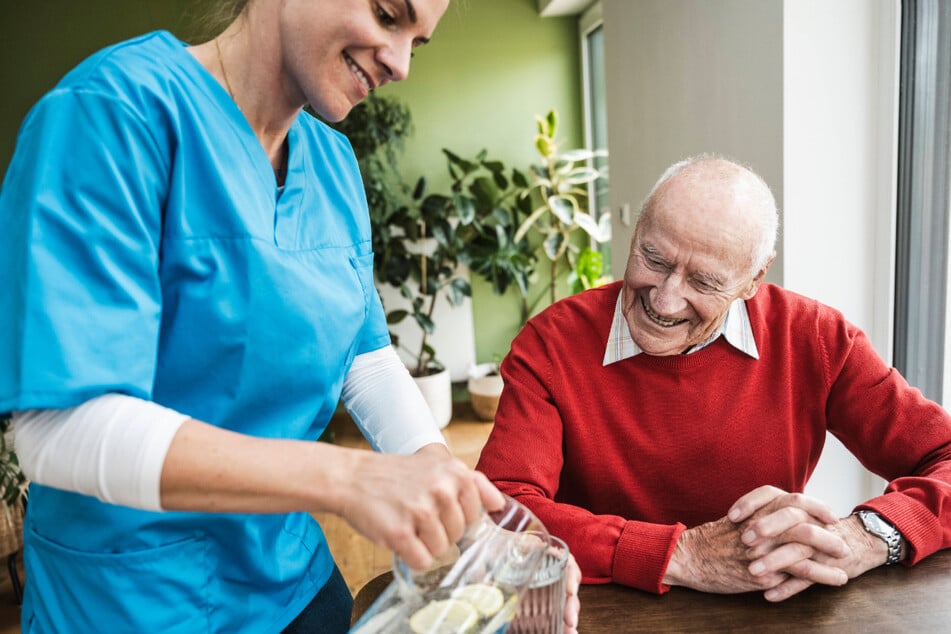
712, 558
864, 551
766, 542
790, 533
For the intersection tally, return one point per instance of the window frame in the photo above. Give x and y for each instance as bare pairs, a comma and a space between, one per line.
924, 149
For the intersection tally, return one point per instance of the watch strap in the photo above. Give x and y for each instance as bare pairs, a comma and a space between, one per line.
881, 528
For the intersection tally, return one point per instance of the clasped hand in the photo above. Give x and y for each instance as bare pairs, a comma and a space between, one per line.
774, 541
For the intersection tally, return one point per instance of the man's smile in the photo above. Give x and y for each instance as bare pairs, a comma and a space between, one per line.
657, 319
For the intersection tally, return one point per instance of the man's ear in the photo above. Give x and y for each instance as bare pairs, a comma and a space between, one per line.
758, 279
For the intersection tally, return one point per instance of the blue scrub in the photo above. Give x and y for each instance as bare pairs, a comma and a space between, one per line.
148, 251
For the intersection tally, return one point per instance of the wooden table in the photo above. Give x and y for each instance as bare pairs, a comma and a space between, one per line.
894, 599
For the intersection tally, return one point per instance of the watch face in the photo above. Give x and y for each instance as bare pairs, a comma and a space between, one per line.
875, 523
872, 522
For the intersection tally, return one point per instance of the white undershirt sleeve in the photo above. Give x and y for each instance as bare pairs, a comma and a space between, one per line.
386, 404
111, 447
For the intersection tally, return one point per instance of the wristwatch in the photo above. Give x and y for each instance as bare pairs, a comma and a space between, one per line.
876, 525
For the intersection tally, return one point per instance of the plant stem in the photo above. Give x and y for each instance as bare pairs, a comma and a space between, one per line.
422, 346
423, 287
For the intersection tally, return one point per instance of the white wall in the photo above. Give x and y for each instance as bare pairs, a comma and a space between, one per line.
804, 91
686, 77
840, 147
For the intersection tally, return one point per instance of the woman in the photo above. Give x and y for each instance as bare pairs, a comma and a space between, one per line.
192, 296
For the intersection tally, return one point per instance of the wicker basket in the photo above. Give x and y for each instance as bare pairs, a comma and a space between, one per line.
485, 386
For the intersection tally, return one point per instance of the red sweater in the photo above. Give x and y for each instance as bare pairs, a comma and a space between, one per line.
620, 460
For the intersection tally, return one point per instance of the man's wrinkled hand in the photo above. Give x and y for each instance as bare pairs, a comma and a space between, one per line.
770, 540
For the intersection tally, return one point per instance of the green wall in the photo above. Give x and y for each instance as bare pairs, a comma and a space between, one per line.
491, 67
40, 40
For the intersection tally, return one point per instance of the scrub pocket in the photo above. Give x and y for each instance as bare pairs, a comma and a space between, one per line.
363, 265
163, 589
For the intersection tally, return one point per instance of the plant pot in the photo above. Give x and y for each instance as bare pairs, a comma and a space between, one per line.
485, 387
437, 390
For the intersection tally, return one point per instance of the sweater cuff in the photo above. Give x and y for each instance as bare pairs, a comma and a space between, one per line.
917, 524
642, 554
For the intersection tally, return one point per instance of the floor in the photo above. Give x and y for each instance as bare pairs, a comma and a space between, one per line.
9, 608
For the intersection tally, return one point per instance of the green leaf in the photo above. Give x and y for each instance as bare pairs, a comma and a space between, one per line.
465, 208
425, 323
544, 146
485, 190
502, 216
590, 264
553, 246
495, 167
420, 188
594, 229
518, 178
459, 289
563, 208
500, 181
582, 175
577, 155
467, 167
396, 316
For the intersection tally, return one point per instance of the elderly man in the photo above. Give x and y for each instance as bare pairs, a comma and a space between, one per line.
666, 426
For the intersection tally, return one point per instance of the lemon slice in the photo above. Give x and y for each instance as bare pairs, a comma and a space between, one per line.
503, 617
487, 599
448, 616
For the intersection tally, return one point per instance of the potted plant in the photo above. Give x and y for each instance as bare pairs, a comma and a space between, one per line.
415, 249
487, 205
420, 252
13, 487
507, 220
559, 184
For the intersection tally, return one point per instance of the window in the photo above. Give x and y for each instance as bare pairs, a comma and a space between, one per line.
921, 291
595, 111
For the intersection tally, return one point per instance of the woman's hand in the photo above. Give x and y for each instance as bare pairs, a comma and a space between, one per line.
572, 602
416, 506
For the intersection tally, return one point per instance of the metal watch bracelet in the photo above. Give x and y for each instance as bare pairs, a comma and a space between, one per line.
878, 526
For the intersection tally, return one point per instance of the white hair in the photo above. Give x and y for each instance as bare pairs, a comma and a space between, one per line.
750, 187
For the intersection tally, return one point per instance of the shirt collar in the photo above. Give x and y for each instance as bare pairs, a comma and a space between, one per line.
736, 329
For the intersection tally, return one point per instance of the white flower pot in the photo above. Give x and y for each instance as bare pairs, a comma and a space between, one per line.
485, 387
437, 390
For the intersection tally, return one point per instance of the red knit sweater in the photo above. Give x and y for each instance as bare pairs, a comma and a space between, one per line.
619, 460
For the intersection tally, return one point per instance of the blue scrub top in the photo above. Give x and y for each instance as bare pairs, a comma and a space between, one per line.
148, 251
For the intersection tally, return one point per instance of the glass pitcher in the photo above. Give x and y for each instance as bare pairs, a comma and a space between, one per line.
474, 589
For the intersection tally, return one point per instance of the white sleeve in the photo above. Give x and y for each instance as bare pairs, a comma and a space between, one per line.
386, 404
111, 447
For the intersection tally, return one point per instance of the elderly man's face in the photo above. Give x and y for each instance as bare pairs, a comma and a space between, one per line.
689, 260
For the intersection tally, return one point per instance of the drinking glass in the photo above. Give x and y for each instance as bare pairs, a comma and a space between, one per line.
541, 609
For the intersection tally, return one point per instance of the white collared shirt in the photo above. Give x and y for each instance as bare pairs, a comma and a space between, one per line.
735, 328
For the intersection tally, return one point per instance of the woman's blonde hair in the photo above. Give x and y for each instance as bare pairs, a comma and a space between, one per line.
215, 16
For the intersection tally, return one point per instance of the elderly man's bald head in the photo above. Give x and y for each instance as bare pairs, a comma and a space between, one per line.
704, 240
742, 197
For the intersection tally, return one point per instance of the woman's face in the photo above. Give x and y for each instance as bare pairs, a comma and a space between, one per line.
337, 51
